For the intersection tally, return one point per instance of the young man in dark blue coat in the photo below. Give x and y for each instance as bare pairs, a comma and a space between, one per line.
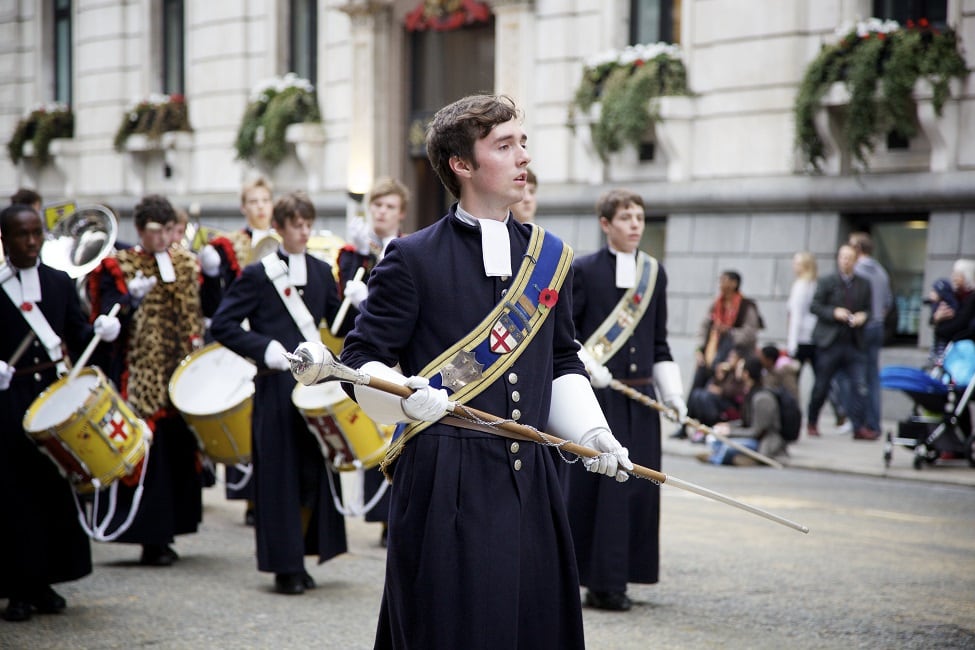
619, 304
480, 553
295, 515
42, 541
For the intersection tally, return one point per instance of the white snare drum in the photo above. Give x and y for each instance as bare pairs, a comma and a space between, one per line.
91, 433
213, 388
346, 435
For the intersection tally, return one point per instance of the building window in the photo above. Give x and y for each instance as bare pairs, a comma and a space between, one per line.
173, 58
935, 11
900, 245
303, 48
654, 20
62, 51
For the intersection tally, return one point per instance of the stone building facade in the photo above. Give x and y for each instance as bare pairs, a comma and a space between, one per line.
725, 186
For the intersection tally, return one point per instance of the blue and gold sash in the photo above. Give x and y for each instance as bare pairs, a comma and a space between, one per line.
613, 332
471, 364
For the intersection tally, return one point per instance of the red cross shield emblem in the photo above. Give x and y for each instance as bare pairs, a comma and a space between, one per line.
503, 340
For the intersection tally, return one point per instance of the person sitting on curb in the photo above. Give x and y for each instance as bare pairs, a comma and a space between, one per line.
760, 428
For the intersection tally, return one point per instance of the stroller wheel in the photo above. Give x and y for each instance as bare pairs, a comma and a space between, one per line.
918, 462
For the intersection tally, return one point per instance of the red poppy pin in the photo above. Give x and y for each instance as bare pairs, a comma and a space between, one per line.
287, 291
26, 306
637, 298
548, 297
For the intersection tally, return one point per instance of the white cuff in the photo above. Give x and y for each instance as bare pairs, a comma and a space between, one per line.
666, 377
574, 411
380, 406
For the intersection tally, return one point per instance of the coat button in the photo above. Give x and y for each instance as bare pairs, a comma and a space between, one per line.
516, 415
632, 349
512, 378
517, 464
515, 396
515, 447
37, 376
633, 367
504, 292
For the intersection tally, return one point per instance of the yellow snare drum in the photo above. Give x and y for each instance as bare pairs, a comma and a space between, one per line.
89, 431
213, 388
348, 438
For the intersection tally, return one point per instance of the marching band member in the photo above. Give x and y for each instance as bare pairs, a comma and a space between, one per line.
479, 550
159, 288
388, 199
284, 296
233, 253
619, 303
42, 542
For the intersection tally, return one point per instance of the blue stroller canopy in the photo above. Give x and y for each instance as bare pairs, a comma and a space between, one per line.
911, 380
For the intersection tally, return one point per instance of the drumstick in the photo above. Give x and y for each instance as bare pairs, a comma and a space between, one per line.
83, 359
340, 316
21, 349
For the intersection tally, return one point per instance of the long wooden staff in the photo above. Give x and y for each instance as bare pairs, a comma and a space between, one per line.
315, 364
83, 359
646, 400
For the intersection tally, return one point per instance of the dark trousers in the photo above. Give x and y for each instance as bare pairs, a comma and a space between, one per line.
847, 357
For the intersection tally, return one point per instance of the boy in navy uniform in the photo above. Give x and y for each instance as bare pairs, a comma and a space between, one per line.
480, 554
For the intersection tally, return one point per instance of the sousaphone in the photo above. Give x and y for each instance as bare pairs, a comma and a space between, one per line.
81, 240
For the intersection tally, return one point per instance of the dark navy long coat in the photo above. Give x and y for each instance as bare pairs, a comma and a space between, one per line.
289, 469
615, 526
480, 553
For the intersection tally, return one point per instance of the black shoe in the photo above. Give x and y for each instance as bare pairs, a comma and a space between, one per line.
48, 601
307, 581
157, 555
680, 434
384, 536
616, 601
17, 610
249, 518
289, 583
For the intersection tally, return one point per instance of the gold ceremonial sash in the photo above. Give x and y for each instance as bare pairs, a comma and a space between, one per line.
471, 364
613, 332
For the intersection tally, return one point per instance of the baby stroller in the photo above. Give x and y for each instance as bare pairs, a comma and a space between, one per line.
940, 421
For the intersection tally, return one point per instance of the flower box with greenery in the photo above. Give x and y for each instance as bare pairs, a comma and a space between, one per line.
880, 63
152, 117
275, 104
624, 82
41, 125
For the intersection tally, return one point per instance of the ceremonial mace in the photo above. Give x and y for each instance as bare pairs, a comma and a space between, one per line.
672, 415
313, 363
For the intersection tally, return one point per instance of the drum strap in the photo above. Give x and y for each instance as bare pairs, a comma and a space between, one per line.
474, 362
35, 319
613, 332
277, 273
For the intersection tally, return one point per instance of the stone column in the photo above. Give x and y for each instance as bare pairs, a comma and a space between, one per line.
514, 51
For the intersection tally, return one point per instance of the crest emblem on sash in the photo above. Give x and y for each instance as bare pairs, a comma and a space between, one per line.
505, 337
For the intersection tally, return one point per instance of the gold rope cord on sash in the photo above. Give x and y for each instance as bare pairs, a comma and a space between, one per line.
516, 294
626, 314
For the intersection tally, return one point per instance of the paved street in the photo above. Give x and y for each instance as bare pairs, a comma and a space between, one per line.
887, 564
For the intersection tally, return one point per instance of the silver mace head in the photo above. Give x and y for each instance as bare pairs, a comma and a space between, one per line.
313, 363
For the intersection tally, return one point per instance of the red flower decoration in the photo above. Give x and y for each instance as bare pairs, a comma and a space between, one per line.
637, 298
26, 306
548, 297
923, 22
287, 291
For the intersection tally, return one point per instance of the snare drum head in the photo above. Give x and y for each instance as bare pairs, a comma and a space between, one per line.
319, 396
211, 380
61, 400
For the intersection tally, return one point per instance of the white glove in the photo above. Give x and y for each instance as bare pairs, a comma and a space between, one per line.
574, 414
6, 374
356, 292
599, 375
140, 285
210, 261
107, 327
425, 404
274, 356
358, 235
614, 457
670, 388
